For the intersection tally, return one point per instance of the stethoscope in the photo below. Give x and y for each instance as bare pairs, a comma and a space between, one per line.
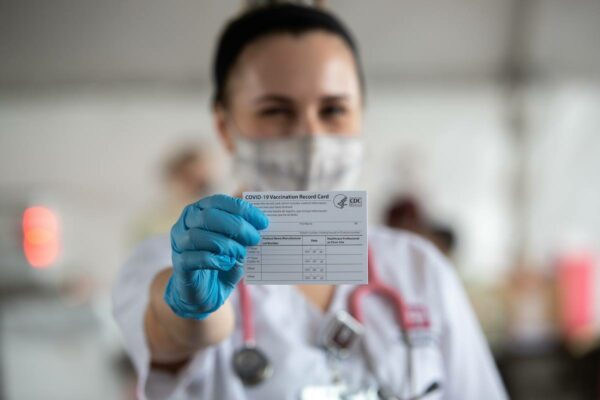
252, 365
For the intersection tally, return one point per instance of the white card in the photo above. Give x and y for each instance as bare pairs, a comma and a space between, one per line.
313, 237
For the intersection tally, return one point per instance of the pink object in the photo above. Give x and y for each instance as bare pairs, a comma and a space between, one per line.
247, 313
409, 317
576, 292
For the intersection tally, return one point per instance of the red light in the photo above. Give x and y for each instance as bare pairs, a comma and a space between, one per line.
41, 240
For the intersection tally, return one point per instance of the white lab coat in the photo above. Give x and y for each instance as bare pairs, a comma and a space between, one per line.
286, 324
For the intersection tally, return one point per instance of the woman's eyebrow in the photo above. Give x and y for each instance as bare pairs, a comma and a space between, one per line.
279, 98
335, 97
273, 98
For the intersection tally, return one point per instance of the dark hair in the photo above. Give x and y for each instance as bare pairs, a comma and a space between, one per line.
266, 20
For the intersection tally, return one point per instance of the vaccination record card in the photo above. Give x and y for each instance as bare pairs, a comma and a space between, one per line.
312, 237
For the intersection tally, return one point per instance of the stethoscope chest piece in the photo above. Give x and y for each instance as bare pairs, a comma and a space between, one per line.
251, 365
341, 334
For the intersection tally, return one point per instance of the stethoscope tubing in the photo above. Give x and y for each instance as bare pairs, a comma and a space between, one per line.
374, 286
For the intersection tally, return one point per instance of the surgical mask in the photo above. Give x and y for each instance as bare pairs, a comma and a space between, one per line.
299, 162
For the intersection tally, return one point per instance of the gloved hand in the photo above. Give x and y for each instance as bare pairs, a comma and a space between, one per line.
208, 245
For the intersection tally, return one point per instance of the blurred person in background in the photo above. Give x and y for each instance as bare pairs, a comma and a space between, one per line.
444, 237
187, 173
406, 213
288, 105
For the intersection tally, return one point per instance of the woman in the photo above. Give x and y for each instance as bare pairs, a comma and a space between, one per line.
288, 102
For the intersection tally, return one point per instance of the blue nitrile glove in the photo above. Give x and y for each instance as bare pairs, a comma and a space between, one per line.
208, 245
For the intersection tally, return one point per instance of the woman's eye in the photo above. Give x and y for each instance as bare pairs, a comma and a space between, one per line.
332, 111
274, 111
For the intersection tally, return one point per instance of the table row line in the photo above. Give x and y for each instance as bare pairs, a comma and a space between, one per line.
304, 268
290, 277
305, 250
274, 240
300, 259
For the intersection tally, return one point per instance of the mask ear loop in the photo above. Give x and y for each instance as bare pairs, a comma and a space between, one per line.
237, 132
237, 135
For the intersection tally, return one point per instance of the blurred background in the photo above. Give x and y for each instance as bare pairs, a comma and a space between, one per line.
483, 134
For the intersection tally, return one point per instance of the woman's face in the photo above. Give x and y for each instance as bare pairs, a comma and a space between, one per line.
287, 84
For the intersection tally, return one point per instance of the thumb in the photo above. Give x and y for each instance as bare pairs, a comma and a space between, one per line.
233, 276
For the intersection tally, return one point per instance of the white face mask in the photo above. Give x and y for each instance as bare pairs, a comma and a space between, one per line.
307, 162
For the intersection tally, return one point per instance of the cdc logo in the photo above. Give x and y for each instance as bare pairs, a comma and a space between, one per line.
355, 202
341, 201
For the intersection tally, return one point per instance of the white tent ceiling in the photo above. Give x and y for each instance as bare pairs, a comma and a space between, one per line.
154, 40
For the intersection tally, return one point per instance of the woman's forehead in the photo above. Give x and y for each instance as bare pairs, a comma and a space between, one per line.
305, 65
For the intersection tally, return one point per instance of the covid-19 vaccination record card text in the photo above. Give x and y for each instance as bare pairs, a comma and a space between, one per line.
313, 237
